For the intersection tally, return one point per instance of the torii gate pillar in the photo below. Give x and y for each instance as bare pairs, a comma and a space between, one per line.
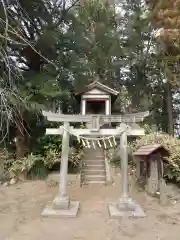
62, 206
125, 206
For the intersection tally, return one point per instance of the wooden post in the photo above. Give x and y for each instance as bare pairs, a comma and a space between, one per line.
62, 200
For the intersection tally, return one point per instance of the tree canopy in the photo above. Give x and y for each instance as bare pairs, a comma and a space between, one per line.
49, 49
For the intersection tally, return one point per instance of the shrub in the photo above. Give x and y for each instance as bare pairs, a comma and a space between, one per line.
172, 144
5, 162
36, 165
25, 164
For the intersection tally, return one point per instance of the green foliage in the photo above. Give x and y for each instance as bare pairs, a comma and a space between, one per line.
48, 144
113, 155
5, 163
29, 167
50, 148
24, 164
147, 128
75, 156
45, 155
172, 144
48, 52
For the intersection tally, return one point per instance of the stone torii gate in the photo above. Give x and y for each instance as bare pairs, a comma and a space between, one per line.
62, 206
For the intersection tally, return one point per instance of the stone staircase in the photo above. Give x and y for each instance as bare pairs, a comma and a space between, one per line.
94, 170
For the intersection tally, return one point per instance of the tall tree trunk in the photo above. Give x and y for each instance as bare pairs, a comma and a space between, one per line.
20, 137
163, 120
169, 108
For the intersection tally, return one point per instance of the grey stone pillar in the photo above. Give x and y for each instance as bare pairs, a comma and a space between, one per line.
62, 199
61, 205
125, 206
124, 164
64, 162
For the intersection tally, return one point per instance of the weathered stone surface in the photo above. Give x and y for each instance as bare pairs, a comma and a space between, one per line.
153, 180
63, 185
164, 200
71, 212
5, 184
138, 174
127, 208
61, 203
61, 206
13, 181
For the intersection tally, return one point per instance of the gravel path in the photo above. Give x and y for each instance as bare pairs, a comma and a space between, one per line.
22, 204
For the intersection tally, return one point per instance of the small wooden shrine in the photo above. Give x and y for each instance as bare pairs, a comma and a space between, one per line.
150, 166
96, 98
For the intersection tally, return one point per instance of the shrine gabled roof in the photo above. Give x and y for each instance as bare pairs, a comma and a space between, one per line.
100, 86
147, 150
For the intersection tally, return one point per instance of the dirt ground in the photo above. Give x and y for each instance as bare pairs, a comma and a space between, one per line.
22, 204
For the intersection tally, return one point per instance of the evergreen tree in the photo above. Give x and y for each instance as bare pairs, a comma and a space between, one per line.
166, 19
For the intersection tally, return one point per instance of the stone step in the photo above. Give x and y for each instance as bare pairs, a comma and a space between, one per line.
95, 155
95, 182
95, 162
95, 178
94, 158
95, 167
95, 172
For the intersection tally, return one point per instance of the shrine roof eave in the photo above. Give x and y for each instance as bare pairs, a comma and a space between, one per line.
149, 149
100, 86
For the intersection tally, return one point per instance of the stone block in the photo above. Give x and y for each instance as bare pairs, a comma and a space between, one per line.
125, 208
61, 203
52, 212
164, 200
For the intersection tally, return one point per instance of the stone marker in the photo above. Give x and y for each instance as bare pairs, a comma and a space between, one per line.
153, 180
164, 200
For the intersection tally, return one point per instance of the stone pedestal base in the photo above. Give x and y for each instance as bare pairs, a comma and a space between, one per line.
61, 203
61, 207
125, 207
72, 212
